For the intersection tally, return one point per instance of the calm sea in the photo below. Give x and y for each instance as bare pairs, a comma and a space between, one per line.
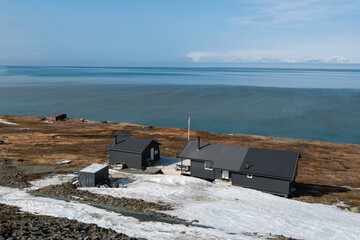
320, 102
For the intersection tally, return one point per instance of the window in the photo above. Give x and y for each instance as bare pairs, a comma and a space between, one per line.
249, 176
208, 165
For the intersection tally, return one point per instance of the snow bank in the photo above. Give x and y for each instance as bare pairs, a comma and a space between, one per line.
238, 210
229, 211
87, 214
51, 180
7, 122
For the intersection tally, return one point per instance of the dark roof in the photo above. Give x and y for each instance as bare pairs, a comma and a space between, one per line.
58, 115
264, 162
231, 156
126, 144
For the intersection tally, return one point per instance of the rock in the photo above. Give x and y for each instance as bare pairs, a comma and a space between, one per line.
355, 209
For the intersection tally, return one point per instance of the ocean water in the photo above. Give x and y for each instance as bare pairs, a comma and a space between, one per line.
320, 102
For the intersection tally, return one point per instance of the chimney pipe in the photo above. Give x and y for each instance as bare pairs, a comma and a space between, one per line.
115, 139
247, 165
198, 145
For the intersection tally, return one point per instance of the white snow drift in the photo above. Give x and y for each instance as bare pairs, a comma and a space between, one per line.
229, 211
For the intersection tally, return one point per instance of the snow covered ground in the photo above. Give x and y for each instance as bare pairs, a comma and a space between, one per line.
168, 165
229, 211
7, 122
51, 180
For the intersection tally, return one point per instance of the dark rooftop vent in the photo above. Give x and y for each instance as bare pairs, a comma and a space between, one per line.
247, 165
198, 144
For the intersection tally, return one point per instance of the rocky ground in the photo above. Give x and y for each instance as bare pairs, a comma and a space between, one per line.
70, 191
19, 225
10, 176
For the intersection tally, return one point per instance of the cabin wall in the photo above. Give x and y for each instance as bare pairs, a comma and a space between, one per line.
86, 179
102, 175
132, 160
275, 186
146, 154
197, 169
218, 174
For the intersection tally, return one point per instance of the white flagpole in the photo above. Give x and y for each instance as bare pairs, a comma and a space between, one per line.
189, 129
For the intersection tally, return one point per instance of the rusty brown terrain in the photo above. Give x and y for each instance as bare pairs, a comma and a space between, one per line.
328, 172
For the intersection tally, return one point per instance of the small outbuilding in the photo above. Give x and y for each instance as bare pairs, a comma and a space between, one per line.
93, 175
135, 153
57, 117
267, 170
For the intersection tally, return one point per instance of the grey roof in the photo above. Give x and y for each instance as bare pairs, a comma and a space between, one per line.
227, 157
93, 168
263, 162
126, 144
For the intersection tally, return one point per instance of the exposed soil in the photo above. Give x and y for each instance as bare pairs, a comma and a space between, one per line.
20, 225
328, 172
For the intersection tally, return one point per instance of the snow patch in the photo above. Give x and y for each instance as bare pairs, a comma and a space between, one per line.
229, 211
7, 122
51, 180
239, 210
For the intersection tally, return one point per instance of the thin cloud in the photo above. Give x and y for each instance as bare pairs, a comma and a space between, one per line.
280, 12
259, 56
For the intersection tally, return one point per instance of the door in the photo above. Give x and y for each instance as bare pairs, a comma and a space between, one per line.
225, 174
152, 154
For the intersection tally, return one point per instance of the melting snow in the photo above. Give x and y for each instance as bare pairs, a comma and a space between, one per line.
230, 211
51, 180
7, 122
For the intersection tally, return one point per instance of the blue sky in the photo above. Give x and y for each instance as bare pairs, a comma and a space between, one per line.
134, 32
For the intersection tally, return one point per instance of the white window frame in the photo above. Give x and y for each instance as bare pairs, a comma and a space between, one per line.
249, 176
207, 167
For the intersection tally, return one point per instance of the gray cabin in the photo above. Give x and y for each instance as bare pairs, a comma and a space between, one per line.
135, 153
267, 170
93, 175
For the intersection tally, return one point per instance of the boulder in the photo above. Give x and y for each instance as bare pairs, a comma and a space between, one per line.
355, 209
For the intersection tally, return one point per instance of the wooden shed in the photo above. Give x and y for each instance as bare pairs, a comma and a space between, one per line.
93, 175
135, 153
267, 170
57, 117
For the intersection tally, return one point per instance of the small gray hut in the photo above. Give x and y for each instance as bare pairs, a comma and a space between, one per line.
93, 175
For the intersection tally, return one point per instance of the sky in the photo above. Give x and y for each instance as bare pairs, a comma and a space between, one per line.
161, 32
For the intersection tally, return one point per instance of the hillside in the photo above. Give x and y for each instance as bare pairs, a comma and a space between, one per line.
328, 172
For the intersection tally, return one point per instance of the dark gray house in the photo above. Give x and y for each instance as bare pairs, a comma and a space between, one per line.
93, 174
267, 170
133, 152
